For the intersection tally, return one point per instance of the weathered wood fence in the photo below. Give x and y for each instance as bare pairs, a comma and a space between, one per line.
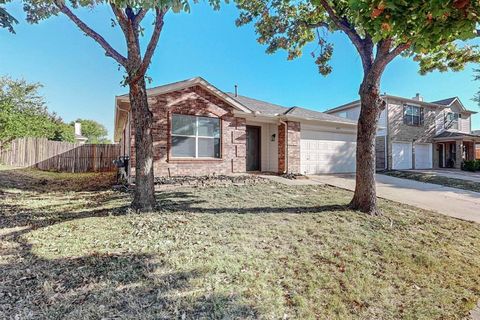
59, 156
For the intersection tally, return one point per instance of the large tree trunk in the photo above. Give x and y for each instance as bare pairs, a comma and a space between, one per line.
144, 198
365, 197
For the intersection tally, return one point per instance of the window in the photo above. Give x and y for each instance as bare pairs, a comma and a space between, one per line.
195, 137
451, 120
413, 115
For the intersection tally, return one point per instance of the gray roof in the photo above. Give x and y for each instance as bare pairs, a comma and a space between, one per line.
476, 132
311, 114
271, 109
445, 102
259, 105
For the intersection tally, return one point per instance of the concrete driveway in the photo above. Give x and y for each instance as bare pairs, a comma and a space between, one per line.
451, 173
453, 202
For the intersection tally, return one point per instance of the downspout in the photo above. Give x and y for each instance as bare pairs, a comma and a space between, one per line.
286, 145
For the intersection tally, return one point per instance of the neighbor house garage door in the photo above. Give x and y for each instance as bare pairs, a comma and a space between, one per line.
326, 152
401, 155
423, 156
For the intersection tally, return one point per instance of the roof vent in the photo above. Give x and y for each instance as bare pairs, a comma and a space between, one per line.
236, 90
418, 97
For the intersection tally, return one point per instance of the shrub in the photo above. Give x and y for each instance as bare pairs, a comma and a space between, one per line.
470, 165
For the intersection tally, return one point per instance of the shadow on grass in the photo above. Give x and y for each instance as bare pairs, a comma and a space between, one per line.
175, 201
104, 286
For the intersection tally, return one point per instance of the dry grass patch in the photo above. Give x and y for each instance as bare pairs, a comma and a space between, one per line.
257, 251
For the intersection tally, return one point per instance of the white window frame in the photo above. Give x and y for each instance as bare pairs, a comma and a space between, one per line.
457, 121
196, 136
421, 115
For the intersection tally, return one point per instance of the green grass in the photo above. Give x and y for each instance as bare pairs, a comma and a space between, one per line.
264, 251
436, 179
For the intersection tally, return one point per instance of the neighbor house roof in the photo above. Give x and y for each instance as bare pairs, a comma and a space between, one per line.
245, 105
455, 135
443, 103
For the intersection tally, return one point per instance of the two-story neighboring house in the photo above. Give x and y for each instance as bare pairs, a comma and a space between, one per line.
415, 134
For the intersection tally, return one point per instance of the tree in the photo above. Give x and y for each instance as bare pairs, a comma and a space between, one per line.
129, 16
6, 20
94, 131
23, 113
380, 30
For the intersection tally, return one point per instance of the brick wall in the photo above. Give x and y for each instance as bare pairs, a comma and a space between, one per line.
292, 163
194, 101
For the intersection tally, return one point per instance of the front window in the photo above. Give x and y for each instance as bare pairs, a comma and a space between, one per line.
451, 120
195, 137
413, 115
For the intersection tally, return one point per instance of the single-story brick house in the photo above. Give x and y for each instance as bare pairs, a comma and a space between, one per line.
200, 130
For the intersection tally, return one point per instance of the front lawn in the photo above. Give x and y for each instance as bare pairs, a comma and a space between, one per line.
436, 179
263, 250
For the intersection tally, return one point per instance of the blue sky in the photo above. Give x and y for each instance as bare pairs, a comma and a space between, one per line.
81, 82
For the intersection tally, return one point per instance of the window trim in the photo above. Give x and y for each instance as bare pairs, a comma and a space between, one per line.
421, 115
457, 121
173, 159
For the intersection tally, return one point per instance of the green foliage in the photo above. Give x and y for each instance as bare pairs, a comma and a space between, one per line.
39, 10
471, 165
94, 131
429, 28
23, 113
6, 20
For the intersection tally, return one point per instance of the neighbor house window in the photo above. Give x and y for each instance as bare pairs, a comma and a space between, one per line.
413, 115
195, 137
451, 120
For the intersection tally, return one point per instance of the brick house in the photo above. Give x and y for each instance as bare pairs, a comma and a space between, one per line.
200, 130
415, 134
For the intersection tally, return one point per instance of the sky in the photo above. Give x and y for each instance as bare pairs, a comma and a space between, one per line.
79, 81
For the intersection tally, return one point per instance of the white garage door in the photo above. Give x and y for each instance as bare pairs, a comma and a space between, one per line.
401, 155
423, 156
327, 152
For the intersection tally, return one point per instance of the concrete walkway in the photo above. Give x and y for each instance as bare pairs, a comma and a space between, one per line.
453, 202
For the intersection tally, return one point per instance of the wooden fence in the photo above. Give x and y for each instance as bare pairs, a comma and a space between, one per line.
59, 156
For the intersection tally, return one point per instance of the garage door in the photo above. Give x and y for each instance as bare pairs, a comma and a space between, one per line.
401, 155
327, 152
423, 156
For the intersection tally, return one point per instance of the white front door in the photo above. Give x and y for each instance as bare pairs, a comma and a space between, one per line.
401, 155
423, 156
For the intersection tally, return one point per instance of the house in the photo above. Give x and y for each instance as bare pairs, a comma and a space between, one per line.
415, 134
200, 130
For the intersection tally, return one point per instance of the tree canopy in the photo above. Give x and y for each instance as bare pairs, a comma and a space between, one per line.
6, 20
23, 113
94, 131
429, 31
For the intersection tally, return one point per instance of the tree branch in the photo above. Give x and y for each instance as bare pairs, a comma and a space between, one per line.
363, 46
157, 30
139, 16
109, 50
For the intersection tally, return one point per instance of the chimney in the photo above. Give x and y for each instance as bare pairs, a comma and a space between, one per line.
418, 97
236, 90
78, 128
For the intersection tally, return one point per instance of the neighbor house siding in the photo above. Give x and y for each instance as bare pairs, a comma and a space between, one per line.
400, 132
195, 101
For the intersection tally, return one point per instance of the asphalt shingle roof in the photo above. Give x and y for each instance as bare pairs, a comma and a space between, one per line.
452, 134
311, 114
260, 106
445, 102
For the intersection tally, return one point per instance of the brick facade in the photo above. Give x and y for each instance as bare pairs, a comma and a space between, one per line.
292, 135
199, 102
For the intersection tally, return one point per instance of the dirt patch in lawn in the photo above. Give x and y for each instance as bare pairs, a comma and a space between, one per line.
233, 252
436, 179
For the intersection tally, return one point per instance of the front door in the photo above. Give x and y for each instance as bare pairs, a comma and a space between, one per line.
253, 148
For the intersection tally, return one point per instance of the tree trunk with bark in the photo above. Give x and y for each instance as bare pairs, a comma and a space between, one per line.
365, 196
144, 197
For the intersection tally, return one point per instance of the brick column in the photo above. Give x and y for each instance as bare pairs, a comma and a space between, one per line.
289, 152
459, 159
